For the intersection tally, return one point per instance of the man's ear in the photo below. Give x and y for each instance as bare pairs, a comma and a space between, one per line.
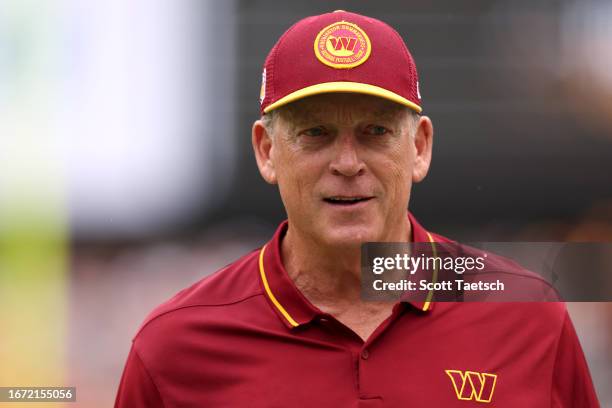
263, 147
423, 142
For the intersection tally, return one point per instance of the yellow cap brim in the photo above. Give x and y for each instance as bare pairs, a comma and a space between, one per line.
354, 87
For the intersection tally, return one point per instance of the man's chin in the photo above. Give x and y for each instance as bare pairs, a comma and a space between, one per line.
349, 236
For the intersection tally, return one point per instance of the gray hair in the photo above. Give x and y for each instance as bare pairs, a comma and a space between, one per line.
268, 120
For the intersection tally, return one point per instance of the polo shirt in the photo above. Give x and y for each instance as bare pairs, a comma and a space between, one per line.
245, 336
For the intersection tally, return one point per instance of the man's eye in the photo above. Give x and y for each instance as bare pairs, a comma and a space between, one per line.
376, 130
315, 131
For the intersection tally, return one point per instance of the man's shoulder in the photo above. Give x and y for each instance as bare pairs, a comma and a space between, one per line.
531, 299
521, 284
233, 284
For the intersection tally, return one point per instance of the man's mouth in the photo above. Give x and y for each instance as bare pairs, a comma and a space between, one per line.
346, 201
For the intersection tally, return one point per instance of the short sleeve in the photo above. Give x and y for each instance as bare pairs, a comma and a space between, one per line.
572, 385
136, 388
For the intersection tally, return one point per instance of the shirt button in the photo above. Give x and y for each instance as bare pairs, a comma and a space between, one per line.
365, 354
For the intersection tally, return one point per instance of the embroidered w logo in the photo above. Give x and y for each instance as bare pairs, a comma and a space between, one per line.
473, 386
343, 43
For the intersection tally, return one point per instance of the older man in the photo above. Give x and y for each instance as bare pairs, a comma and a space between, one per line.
285, 325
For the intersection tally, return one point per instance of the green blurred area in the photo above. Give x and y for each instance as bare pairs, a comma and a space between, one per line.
33, 294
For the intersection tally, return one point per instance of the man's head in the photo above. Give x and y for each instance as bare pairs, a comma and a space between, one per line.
344, 153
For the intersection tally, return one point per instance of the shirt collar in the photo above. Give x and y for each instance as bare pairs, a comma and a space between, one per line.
285, 298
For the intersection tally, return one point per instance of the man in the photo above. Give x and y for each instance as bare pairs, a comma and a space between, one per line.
285, 326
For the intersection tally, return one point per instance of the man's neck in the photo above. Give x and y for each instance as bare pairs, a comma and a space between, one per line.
329, 277
326, 274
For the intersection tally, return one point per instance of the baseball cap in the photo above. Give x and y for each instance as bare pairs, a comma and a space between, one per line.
339, 52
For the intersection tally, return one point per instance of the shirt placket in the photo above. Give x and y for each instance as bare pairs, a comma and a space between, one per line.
363, 355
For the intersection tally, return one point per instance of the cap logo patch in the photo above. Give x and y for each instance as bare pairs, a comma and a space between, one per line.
342, 45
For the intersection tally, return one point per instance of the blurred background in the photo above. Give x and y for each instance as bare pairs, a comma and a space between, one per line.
126, 170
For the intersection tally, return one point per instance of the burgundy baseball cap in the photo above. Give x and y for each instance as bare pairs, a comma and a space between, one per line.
339, 52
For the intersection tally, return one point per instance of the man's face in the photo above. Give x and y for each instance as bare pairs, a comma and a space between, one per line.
345, 164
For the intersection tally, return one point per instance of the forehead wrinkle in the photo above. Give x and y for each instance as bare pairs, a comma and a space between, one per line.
389, 113
343, 112
303, 113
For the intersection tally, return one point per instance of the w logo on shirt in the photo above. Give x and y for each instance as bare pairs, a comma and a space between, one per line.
473, 386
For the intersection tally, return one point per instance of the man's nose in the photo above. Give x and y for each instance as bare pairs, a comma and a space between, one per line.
346, 161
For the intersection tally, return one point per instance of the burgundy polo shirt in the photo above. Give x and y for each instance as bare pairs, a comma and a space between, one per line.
246, 337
